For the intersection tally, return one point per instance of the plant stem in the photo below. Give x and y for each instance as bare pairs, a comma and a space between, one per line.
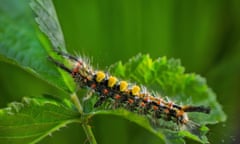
89, 133
77, 103
87, 129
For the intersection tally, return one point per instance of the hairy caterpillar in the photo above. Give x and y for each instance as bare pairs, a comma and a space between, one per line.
120, 93
126, 95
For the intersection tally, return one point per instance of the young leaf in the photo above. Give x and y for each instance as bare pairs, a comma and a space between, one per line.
33, 119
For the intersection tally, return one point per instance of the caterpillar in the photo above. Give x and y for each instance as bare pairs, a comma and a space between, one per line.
124, 94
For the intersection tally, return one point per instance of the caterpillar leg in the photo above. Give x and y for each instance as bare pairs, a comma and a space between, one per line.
89, 95
100, 101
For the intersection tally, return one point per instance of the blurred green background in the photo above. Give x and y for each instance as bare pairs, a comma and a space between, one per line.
204, 34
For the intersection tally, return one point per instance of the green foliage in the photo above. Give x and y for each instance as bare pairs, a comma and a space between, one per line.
35, 118
22, 47
48, 22
168, 78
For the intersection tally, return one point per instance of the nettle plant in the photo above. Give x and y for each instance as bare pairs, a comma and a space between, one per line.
161, 98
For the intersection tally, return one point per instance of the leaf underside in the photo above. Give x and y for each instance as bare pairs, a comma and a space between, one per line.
48, 22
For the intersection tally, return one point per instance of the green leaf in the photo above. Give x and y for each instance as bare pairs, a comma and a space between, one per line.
167, 77
28, 48
22, 44
48, 22
33, 119
141, 121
